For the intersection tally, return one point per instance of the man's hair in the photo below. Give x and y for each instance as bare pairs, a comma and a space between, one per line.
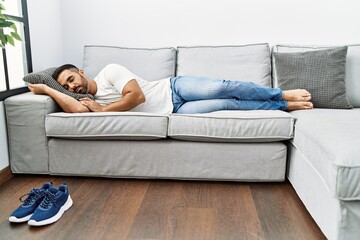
60, 69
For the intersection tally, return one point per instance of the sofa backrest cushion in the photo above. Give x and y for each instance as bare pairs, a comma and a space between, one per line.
250, 63
148, 63
352, 78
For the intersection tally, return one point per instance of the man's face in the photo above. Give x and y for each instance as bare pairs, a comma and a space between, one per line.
73, 81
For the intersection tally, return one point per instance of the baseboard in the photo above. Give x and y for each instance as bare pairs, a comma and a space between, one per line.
5, 175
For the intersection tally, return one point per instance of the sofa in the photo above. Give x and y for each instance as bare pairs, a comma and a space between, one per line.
317, 150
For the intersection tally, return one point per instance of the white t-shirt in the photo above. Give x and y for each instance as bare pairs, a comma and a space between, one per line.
112, 80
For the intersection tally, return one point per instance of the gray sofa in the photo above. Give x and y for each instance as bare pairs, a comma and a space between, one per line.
317, 149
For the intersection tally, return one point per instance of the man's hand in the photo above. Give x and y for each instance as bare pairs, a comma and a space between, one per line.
38, 88
92, 105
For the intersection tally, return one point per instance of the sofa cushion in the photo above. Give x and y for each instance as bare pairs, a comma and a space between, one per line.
232, 126
148, 63
250, 63
329, 140
352, 78
321, 72
107, 125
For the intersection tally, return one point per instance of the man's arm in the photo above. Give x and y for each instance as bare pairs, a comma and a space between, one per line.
67, 103
132, 97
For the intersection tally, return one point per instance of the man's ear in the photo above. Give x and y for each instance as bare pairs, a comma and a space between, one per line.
81, 72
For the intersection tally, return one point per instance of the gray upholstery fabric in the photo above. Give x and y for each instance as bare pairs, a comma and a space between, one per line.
321, 72
329, 139
148, 63
107, 125
352, 79
28, 145
169, 159
45, 77
250, 63
232, 126
336, 218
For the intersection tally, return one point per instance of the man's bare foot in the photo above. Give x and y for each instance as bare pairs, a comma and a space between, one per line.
299, 105
296, 95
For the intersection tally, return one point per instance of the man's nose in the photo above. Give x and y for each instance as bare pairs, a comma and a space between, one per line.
71, 87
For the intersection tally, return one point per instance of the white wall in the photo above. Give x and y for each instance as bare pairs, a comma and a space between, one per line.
45, 33
4, 157
60, 28
158, 23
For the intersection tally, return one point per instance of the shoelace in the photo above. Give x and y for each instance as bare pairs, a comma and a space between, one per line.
33, 196
48, 200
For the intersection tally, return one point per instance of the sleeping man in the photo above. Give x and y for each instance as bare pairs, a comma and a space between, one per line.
116, 88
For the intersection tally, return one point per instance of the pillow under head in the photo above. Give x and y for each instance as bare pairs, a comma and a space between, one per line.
321, 72
45, 77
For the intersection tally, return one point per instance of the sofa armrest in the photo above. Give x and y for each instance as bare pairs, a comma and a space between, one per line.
28, 144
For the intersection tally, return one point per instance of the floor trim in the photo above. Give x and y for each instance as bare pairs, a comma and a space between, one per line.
5, 175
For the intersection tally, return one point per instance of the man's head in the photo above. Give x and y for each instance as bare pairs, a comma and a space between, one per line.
71, 78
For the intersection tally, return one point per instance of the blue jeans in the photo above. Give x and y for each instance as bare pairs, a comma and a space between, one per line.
203, 95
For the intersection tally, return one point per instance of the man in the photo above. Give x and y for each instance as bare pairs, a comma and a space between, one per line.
115, 88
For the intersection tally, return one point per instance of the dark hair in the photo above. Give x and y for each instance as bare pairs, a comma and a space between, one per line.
59, 70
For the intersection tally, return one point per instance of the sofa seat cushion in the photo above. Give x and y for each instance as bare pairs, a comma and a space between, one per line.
108, 125
232, 126
329, 140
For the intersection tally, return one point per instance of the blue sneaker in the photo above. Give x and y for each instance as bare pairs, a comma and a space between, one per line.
55, 203
35, 197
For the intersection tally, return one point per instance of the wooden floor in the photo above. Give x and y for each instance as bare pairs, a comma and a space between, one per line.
164, 209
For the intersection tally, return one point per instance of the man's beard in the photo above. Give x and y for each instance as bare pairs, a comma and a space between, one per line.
84, 85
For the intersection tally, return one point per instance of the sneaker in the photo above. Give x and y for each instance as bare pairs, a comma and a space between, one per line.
34, 198
53, 206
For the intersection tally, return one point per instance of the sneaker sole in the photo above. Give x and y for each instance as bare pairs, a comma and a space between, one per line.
14, 219
64, 208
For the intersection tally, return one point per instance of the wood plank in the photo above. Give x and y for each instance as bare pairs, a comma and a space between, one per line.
194, 223
236, 216
281, 213
154, 219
